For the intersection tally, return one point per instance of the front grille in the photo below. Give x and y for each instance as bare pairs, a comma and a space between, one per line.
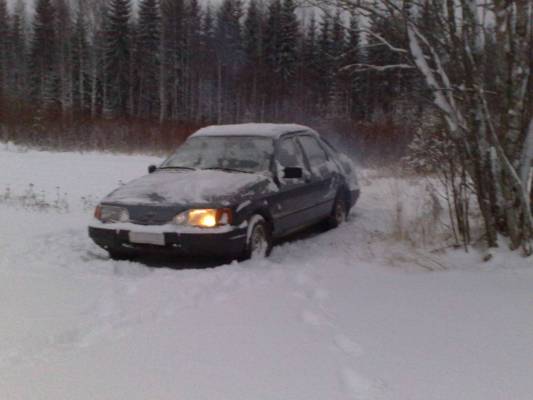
147, 221
151, 215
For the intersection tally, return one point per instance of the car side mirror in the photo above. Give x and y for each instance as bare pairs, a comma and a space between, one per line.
293, 173
151, 169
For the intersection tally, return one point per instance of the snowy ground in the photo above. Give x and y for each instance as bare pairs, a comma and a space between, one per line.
347, 314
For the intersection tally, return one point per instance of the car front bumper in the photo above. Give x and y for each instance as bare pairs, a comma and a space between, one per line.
116, 238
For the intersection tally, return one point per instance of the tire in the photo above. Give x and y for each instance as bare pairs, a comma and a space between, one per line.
339, 213
259, 238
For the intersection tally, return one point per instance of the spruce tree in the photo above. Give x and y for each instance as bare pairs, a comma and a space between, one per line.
64, 49
324, 62
228, 32
4, 47
117, 58
172, 59
44, 56
193, 57
253, 48
288, 47
310, 66
354, 81
207, 68
147, 60
80, 64
272, 41
384, 86
18, 50
336, 53
273, 35
230, 57
252, 34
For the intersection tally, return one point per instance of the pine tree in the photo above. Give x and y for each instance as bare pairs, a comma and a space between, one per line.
117, 58
147, 60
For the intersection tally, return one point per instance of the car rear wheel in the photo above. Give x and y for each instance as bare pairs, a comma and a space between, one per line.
259, 243
339, 213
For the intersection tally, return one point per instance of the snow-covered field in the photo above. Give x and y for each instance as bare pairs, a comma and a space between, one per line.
347, 314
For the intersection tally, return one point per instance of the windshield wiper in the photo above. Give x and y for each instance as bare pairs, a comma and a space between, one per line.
229, 169
179, 167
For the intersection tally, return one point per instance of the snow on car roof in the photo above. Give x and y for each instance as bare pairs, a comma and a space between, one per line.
269, 130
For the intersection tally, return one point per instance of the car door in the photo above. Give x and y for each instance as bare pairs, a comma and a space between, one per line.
323, 180
293, 200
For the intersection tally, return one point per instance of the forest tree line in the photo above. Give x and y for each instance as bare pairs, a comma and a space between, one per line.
178, 63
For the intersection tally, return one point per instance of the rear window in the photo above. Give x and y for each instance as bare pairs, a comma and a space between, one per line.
315, 153
290, 155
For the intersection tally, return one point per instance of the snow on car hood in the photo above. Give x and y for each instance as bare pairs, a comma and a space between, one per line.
191, 187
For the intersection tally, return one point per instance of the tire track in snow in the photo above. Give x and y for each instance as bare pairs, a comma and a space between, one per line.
122, 289
316, 315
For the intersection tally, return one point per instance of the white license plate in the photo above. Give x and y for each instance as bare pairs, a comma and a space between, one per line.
147, 238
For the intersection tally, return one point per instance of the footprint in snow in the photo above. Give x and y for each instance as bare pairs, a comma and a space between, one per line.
320, 294
360, 388
311, 318
302, 279
347, 346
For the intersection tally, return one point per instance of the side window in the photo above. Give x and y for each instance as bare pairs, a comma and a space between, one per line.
315, 153
289, 154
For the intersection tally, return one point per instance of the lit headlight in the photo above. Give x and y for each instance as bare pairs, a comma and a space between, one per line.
111, 214
204, 218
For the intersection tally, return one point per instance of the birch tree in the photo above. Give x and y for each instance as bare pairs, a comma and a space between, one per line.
488, 115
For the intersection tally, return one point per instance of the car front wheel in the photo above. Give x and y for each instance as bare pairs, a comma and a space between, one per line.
259, 241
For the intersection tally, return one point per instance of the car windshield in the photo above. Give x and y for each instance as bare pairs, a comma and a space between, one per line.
232, 153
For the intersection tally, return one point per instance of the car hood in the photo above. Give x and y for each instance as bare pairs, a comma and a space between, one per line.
183, 187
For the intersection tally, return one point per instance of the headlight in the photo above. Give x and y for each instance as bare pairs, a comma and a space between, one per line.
111, 214
204, 218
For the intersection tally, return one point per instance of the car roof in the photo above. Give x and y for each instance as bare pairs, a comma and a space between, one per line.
252, 129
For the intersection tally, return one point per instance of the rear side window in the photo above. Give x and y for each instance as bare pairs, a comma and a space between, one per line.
290, 154
332, 151
315, 153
